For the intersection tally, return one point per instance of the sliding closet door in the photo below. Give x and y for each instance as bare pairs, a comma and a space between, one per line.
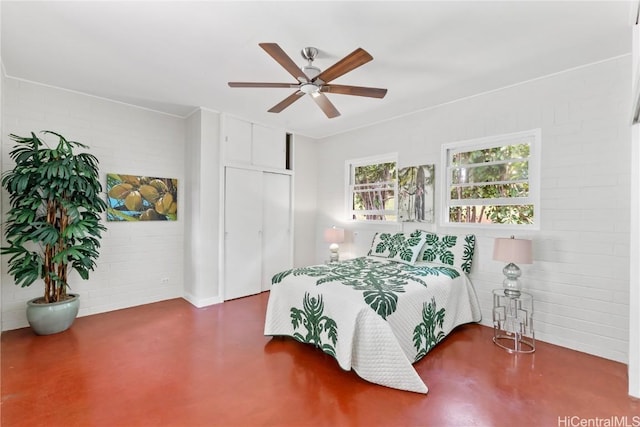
276, 226
243, 232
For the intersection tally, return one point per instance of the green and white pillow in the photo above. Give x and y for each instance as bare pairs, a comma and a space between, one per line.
450, 250
400, 247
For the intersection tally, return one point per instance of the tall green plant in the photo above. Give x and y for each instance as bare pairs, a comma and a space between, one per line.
54, 220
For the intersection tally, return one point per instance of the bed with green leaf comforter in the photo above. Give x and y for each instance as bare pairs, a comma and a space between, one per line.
373, 315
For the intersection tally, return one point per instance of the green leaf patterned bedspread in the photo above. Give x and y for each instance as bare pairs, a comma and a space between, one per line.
373, 315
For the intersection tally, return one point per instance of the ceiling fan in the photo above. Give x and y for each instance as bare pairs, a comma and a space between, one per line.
311, 80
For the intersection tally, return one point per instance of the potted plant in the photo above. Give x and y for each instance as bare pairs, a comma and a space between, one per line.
53, 224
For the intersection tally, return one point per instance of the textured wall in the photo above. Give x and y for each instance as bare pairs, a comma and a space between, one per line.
139, 262
580, 276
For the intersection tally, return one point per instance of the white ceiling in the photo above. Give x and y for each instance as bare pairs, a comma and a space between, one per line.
175, 56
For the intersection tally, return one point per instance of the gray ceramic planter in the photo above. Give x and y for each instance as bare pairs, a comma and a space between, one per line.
47, 319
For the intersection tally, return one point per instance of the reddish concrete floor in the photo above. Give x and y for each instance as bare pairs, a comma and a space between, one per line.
170, 364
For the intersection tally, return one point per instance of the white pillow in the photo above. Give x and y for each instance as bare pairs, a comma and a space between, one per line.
449, 249
400, 247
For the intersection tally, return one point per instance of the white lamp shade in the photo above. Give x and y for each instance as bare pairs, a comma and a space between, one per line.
517, 251
334, 235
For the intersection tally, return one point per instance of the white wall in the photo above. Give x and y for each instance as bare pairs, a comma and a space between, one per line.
580, 276
139, 262
305, 171
193, 200
202, 163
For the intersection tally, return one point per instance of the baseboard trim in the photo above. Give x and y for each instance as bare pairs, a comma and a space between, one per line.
202, 302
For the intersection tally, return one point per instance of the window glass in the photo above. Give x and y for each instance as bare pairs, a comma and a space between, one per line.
372, 189
492, 181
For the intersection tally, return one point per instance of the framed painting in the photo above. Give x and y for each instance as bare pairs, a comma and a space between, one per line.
141, 198
416, 187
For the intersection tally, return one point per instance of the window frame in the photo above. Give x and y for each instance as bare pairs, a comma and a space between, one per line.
448, 149
349, 175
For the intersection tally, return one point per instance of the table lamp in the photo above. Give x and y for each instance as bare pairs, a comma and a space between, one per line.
512, 251
334, 236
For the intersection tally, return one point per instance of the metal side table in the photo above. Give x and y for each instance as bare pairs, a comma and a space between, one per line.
513, 322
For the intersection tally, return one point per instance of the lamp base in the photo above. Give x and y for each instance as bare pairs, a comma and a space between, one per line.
334, 255
512, 293
511, 284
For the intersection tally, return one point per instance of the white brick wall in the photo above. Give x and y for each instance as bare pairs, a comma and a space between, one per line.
580, 276
135, 257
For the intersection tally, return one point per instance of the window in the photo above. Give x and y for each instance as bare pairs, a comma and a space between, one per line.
372, 187
492, 181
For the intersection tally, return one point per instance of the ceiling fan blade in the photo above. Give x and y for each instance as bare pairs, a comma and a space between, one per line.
286, 102
255, 84
325, 105
371, 92
350, 62
283, 59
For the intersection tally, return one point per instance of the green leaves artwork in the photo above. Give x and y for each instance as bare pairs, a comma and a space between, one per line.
467, 254
398, 246
440, 249
424, 334
450, 249
311, 318
375, 316
379, 282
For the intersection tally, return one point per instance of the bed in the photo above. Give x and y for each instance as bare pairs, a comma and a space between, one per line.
378, 314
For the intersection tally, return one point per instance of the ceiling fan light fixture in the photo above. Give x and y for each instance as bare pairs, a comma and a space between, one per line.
311, 71
310, 88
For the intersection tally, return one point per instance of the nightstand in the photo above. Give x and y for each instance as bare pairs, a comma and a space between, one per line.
513, 322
